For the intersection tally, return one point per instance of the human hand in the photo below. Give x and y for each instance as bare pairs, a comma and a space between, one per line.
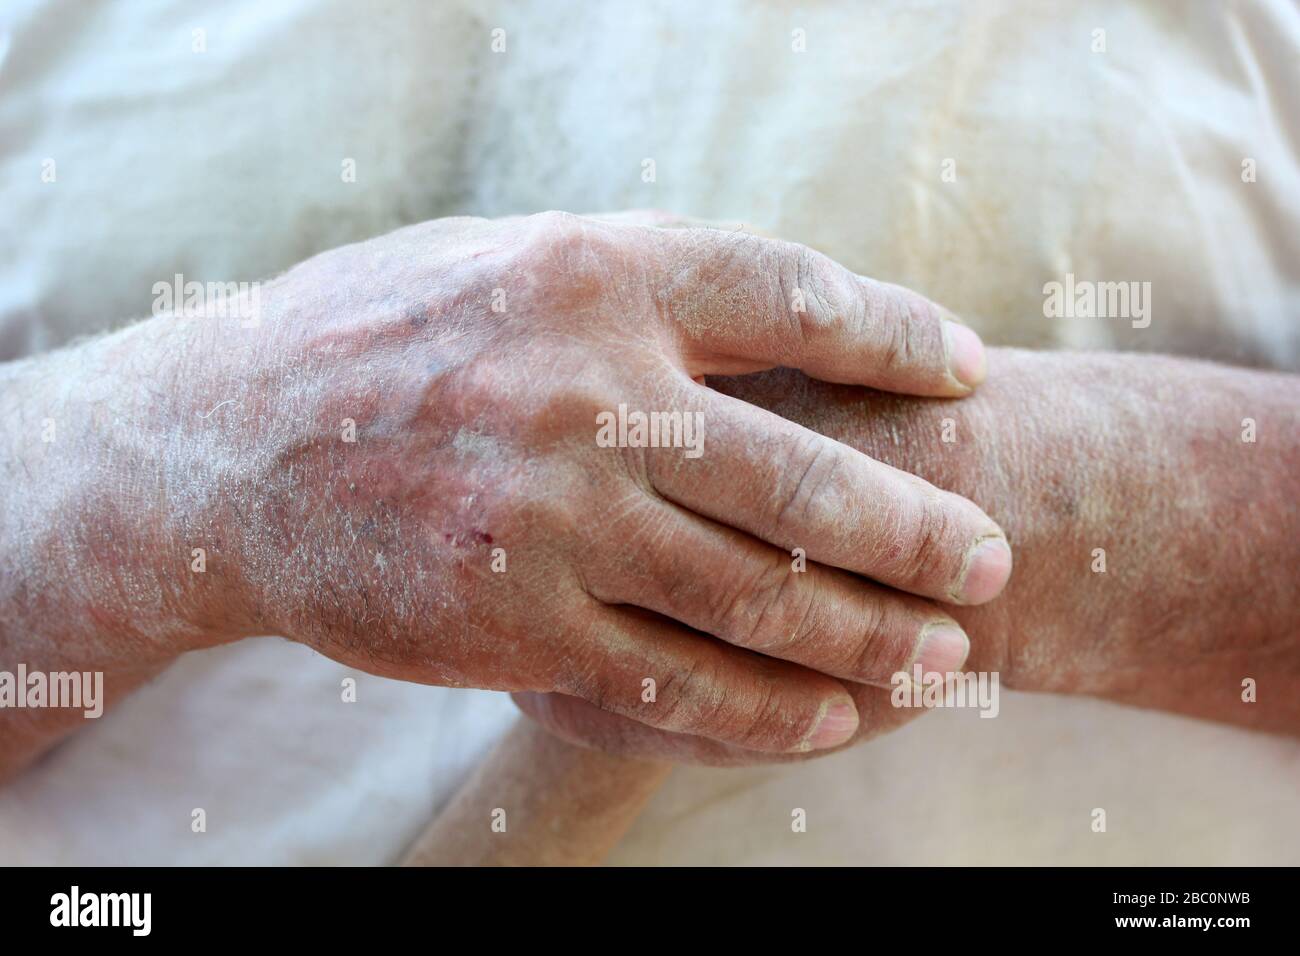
1121, 591
402, 468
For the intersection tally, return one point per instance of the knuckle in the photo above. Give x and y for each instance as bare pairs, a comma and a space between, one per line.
750, 608
872, 653
559, 247
768, 724
686, 701
819, 295
779, 609
696, 265
554, 225
803, 292
928, 531
900, 344
803, 485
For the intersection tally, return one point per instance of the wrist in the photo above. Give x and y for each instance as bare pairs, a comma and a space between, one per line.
103, 573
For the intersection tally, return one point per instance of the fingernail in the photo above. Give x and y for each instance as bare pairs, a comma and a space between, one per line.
966, 358
942, 649
988, 566
837, 726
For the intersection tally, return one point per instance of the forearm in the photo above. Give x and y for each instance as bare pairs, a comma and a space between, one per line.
97, 571
1143, 457
539, 801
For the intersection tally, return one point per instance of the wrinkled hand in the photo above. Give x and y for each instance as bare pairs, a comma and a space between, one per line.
1122, 592
407, 463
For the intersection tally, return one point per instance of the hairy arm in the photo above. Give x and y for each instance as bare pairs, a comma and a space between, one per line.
99, 515
1141, 457
1144, 458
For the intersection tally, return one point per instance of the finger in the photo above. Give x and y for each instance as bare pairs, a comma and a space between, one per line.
728, 584
656, 671
580, 723
742, 303
792, 487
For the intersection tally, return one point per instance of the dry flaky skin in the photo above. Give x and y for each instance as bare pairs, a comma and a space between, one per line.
475, 431
1142, 456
